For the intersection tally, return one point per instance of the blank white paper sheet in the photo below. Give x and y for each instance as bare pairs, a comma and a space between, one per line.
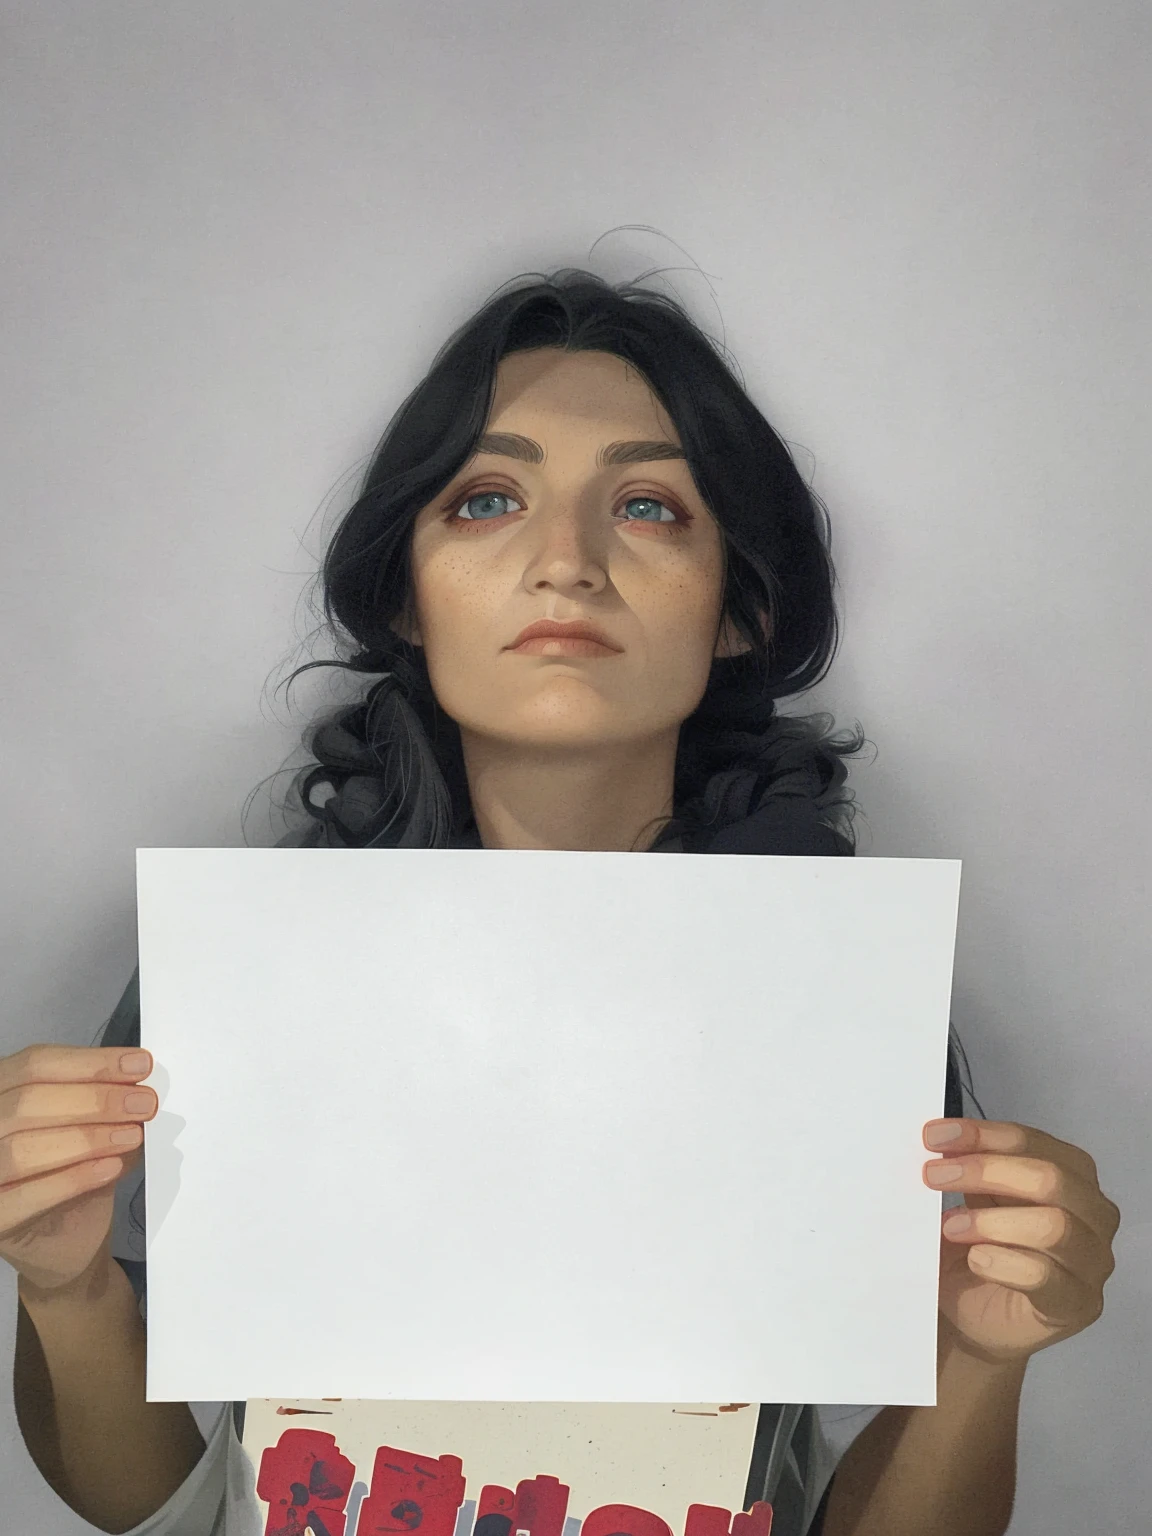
477, 1125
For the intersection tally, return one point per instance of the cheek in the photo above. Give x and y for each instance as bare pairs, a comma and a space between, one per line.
450, 600
683, 611
458, 615
678, 621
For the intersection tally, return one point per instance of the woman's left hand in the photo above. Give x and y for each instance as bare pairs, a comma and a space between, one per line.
1023, 1262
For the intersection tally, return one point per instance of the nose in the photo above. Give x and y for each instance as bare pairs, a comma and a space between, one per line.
568, 558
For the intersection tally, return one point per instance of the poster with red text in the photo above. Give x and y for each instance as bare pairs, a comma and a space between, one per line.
344, 1468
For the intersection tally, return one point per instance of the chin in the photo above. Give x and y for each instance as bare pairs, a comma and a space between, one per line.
576, 725
568, 714
615, 733
576, 730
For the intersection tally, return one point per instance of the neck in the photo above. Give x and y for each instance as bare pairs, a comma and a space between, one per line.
613, 801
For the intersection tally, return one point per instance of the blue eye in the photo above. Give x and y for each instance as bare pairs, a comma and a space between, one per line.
650, 511
486, 505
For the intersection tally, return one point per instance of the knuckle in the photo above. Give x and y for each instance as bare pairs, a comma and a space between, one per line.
32, 1058
1049, 1181
1012, 1136
19, 1152
34, 1101
1055, 1226
18, 1066
1040, 1270
999, 1170
23, 1104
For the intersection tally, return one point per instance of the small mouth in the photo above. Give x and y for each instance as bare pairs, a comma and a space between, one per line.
573, 637
562, 645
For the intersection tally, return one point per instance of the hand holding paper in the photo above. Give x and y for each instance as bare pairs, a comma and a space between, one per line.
1024, 1261
70, 1127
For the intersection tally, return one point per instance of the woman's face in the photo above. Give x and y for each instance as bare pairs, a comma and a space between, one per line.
577, 509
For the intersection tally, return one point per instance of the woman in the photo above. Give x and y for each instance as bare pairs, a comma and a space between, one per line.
581, 571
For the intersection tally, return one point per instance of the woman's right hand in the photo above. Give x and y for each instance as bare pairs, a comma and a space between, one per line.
70, 1128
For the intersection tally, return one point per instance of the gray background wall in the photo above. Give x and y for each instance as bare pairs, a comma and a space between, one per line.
232, 238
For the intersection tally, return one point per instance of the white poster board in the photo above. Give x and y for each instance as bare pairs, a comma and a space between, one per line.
523, 1126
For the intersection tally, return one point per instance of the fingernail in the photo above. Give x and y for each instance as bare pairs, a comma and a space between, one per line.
944, 1173
138, 1103
135, 1063
958, 1223
941, 1135
126, 1136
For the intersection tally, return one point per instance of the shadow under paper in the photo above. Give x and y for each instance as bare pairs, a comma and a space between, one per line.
162, 1157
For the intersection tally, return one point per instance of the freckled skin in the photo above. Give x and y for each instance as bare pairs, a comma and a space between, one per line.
564, 550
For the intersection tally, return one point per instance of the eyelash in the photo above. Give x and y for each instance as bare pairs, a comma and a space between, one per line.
470, 525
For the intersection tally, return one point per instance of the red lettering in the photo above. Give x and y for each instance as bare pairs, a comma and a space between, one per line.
708, 1520
756, 1522
411, 1493
623, 1520
495, 1500
541, 1504
306, 1480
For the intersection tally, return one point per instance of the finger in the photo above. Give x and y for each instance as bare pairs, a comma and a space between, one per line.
1026, 1179
30, 1153
39, 1105
73, 1064
24, 1202
1041, 1229
1057, 1295
952, 1137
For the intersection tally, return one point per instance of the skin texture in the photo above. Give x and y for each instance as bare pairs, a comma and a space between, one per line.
69, 1129
1022, 1266
569, 751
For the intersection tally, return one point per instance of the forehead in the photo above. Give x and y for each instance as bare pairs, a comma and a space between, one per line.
585, 392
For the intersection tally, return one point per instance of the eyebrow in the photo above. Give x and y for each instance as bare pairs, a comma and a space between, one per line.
511, 445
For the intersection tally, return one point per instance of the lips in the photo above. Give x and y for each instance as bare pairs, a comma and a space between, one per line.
552, 637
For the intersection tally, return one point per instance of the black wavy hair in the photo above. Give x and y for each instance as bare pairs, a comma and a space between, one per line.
390, 766
387, 771
392, 762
